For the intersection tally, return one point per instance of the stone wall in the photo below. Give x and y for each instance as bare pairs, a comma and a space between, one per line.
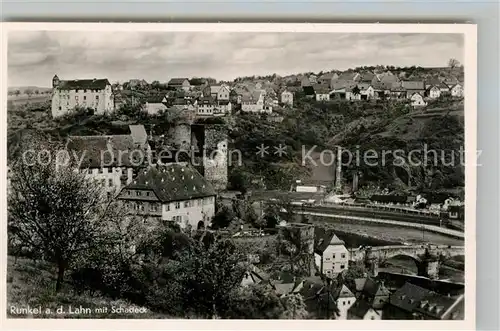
216, 155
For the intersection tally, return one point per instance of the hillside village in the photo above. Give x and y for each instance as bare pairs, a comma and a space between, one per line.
204, 195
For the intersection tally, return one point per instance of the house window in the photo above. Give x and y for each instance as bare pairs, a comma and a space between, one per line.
342, 266
186, 204
167, 207
200, 202
60, 108
333, 256
343, 303
76, 90
343, 256
177, 205
90, 171
84, 91
84, 97
147, 194
128, 192
154, 207
101, 170
138, 193
97, 97
110, 181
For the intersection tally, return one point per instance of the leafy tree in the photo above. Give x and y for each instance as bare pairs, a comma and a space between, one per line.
223, 217
256, 301
55, 210
208, 276
29, 92
295, 307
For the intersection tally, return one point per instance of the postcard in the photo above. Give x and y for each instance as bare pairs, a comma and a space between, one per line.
198, 175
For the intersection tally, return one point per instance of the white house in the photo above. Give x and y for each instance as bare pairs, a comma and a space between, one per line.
366, 91
206, 106
345, 299
111, 160
252, 102
221, 92
322, 93
223, 107
457, 91
331, 255
417, 100
88, 93
287, 97
434, 92
174, 192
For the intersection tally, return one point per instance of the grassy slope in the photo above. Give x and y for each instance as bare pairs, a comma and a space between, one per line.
32, 284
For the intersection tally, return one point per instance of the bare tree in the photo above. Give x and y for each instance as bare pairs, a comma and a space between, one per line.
453, 63
55, 210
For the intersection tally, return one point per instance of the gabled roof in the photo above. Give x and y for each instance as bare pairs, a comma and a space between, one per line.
413, 85
437, 306
374, 288
83, 84
321, 89
93, 150
342, 292
360, 308
177, 81
349, 76
408, 297
324, 238
206, 101
173, 182
360, 284
251, 97
364, 86
367, 77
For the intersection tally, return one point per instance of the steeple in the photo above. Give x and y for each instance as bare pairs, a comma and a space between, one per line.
55, 81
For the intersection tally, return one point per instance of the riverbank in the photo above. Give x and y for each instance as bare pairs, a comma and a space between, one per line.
386, 234
422, 228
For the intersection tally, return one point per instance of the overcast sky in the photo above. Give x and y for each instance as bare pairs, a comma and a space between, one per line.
34, 57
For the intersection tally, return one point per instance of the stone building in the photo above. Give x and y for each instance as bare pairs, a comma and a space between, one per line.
93, 93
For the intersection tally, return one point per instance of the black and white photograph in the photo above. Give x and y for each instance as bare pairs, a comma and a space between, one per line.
224, 173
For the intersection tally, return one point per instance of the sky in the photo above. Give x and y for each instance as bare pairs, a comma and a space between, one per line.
35, 56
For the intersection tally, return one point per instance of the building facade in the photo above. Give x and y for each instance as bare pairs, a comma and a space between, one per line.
94, 93
173, 192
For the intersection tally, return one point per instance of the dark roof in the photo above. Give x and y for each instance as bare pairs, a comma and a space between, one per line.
155, 99
324, 238
173, 182
90, 148
436, 305
177, 81
373, 289
342, 292
408, 297
206, 101
359, 308
197, 81
308, 90
83, 84
321, 89
413, 85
